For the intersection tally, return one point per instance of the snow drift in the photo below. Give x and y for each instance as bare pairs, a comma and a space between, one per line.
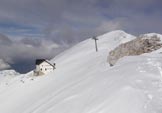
83, 82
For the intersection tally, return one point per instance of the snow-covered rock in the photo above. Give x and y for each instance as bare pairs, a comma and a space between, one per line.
138, 46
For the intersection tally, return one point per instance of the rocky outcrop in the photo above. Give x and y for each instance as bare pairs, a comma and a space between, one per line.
138, 46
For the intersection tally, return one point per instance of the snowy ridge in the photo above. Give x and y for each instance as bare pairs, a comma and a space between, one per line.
8, 72
83, 82
153, 34
7, 75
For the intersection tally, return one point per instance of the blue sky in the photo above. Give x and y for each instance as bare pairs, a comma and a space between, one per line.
66, 22
16, 30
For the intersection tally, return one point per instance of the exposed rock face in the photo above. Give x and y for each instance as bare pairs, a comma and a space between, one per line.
138, 46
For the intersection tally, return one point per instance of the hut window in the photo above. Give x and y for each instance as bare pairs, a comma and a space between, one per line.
41, 69
45, 69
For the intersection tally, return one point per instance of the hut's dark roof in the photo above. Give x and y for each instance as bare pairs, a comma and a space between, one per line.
39, 61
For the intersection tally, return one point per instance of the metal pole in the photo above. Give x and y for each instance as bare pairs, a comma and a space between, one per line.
94, 38
96, 45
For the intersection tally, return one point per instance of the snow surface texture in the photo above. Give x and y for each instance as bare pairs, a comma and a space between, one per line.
138, 46
83, 82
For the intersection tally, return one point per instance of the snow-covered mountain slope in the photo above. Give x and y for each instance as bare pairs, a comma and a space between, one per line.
83, 82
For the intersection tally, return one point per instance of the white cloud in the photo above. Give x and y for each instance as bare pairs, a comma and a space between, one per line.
106, 26
4, 65
25, 50
81, 17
